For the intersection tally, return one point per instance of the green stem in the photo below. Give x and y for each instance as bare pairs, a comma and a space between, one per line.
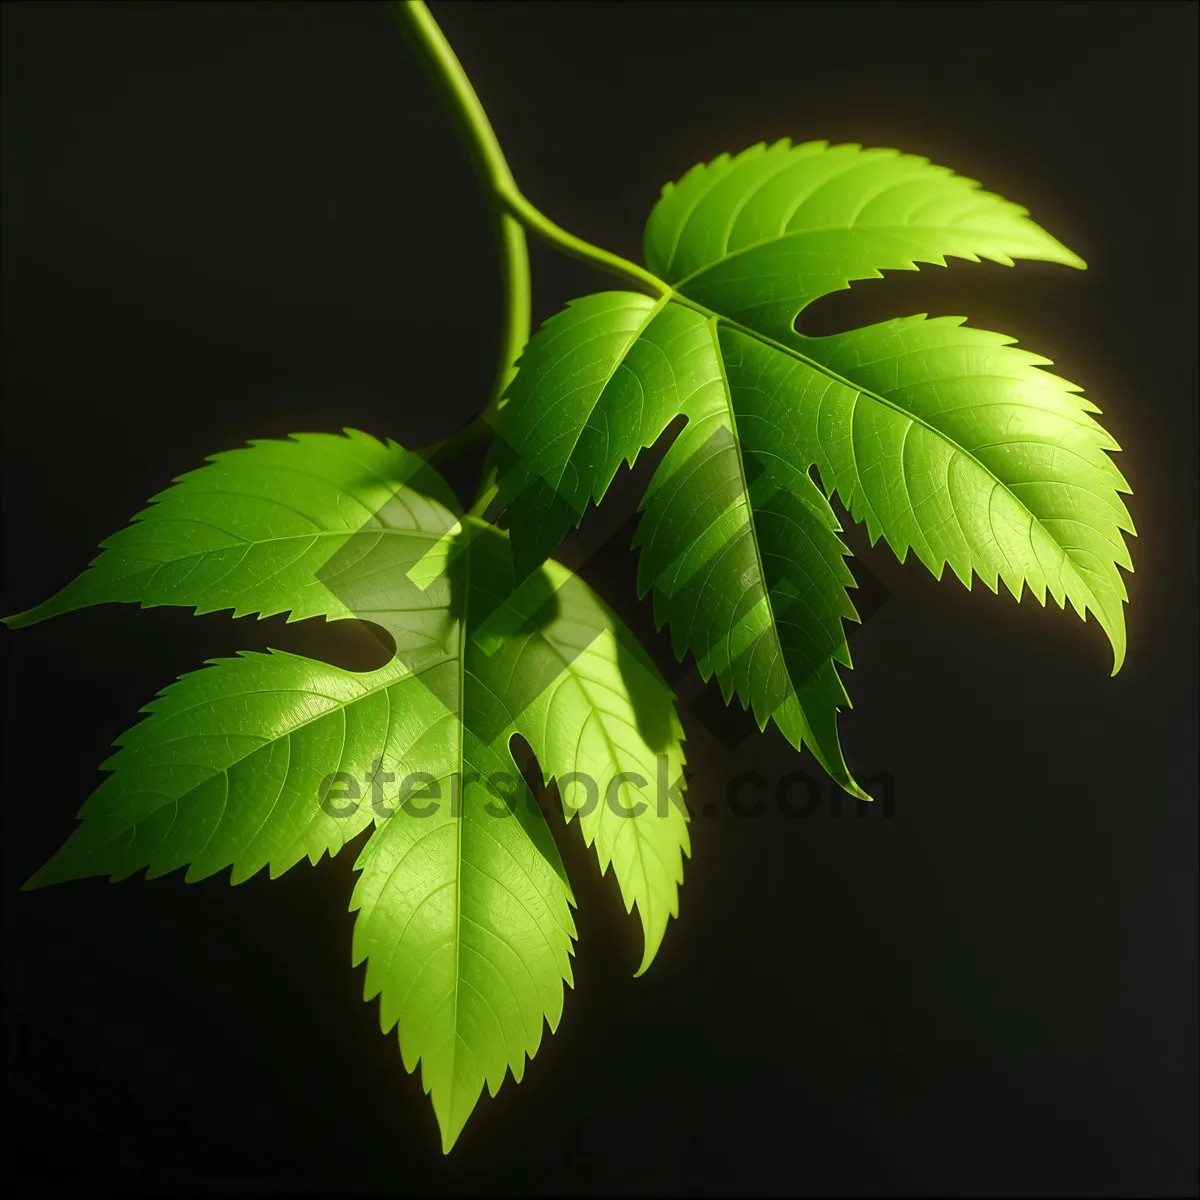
492, 170
512, 215
490, 163
554, 235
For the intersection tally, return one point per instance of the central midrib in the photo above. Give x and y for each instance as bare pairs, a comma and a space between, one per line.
893, 230
460, 819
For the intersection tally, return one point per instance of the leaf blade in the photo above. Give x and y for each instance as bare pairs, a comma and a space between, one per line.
693, 530
826, 215
261, 731
234, 764
1015, 444
256, 530
622, 743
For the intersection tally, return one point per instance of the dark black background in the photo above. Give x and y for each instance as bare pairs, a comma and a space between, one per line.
225, 221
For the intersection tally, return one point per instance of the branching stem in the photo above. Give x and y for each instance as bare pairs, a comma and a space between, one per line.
512, 215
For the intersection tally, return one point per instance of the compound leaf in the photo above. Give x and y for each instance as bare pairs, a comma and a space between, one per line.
736, 543
462, 898
943, 439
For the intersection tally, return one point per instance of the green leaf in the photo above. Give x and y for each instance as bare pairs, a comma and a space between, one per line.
265, 759
608, 720
943, 439
740, 547
951, 442
228, 770
758, 237
257, 529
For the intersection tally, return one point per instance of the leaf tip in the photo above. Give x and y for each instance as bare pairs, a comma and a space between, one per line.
28, 616
854, 790
450, 1128
1116, 639
43, 877
651, 949
1058, 253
